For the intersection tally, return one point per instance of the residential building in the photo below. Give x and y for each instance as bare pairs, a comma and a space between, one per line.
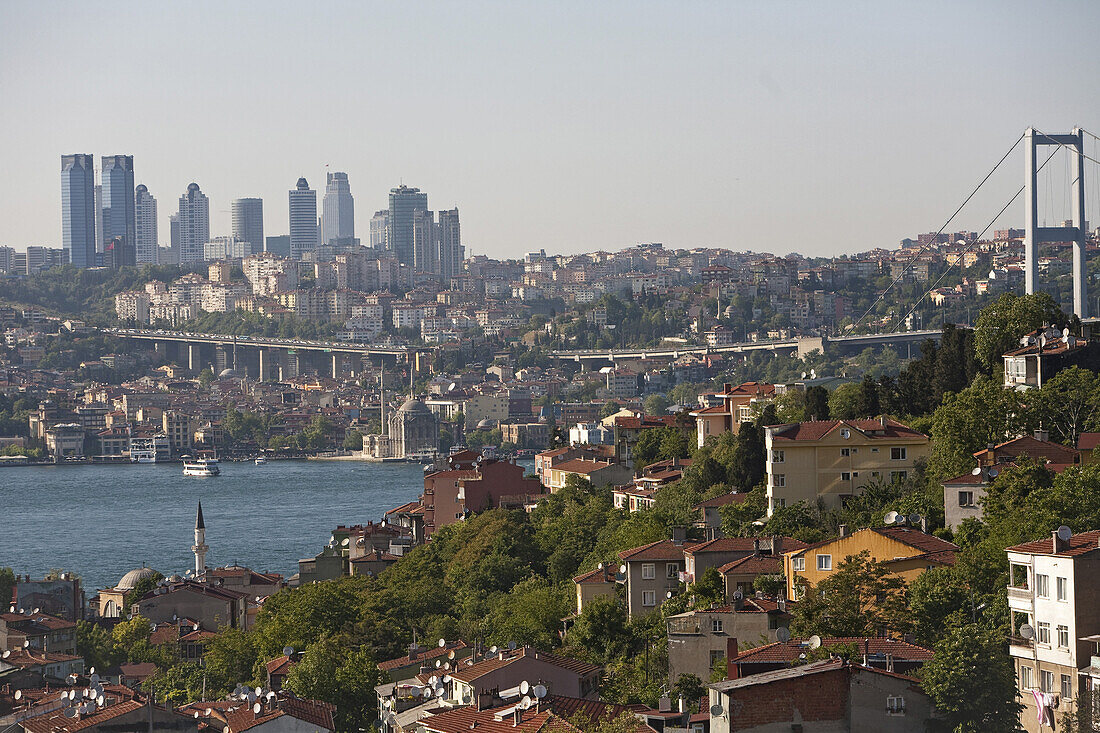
37, 632
653, 571
622, 383
194, 224
1053, 590
597, 583
65, 442
1045, 352
698, 639
599, 472
472, 483
278, 245
118, 201
78, 209
303, 219
821, 697
248, 222
404, 202
226, 248
145, 226
740, 404
906, 551
338, 217
210, 605
404, 667
885, 653
828, 460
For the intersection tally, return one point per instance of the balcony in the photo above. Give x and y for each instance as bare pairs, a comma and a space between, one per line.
1021, 647
1019, 593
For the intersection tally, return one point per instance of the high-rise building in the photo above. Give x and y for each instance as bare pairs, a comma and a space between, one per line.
145, 218
194, 224
248, 222
338, 217
78, 209
449, 238
399, 237
119, 222
98, 218
303, 219
278, 245
379, 229
424, 241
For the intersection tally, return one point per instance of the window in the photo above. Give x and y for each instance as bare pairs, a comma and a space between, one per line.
715, 655
1063, 636
1046, 681
845, 476
1063, 589
1025, 677
898, 475
649, 598
672, 570
824, 562
895, 706
798, 564
966, 498
845, 452
1042, 586
1067, 687
898, 454
649, 571
779, 480
716, 626
1043, 633
779, 456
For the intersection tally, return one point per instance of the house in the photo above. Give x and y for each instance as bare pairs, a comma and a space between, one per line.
122, 710
740, 404
962, 495
1045, 352
697, 639
906, 551
821, 697
40, 631
480, 678
50, 665
594, 584
629, 427
653, 573
419, 657
710, 513
891, 655
829, 460
213, 607
1054, 603
720, 552
472, 483
1086, 443
741, 574
599, 472
279, 668
278, 712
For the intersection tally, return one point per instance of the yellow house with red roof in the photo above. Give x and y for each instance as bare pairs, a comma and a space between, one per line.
831, 460
907, 552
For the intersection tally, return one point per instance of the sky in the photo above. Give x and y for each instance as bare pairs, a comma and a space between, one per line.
811, 127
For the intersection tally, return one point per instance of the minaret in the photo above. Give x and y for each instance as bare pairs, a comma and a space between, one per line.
200, 547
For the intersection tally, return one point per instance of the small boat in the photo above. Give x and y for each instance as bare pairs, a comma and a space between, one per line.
260, 460
200, 467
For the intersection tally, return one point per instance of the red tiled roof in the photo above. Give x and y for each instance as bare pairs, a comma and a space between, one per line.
744, 544
469, 718
280, 665
659, 550
1079, 544
818, 429
1088, 441
911, 536
788, 651
596, 576
56, 721
755, 565
470, 672
429, 653
723, 500
581, 465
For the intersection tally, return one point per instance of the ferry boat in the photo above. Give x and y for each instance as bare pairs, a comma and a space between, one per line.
200, 467
260, 460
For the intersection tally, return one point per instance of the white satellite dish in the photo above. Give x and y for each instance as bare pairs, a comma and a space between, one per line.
524, 687
814, 642
446, 679
18, 694
1027, 631
525, 703
845, 433
345, 542
36, 610
977, 471
622, 568
1065, 533
1065, 331
196, 716
257, 708
438, 664
493, 650
890, 517
442, 643
783, 634
259, 692
1042, 342
5, 655
451, 655
99, 700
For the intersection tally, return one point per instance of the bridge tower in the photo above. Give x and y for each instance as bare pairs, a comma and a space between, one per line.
1034, 235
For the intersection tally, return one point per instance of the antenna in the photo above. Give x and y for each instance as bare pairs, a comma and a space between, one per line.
1065, 533
783, 634
814, 642
890, 517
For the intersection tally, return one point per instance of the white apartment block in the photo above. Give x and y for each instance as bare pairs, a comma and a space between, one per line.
132, 305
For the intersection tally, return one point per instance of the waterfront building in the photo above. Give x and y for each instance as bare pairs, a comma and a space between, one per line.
78, 217
404, 202
413, 429
145, 220
338, 217
303, 219
248, 221
194, 224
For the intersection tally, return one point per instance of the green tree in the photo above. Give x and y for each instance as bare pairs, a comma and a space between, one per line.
966, 422
178, 684
206, 377
860, 598
1003, 322
689, 687
142, 587
7, 588
353, 440
332, 671
600, 631
816, 404
748, 466
844, 402
1067, 403
95, 644
656, 404
867, 401
609, 408
971, 680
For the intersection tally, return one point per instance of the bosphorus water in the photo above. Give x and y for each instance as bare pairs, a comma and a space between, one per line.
101, 521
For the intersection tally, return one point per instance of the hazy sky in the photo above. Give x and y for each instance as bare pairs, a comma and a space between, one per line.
817, 127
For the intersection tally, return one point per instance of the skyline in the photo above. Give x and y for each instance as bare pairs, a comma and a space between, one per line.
566, 128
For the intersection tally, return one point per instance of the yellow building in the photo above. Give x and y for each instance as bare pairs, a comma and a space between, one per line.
907, 551
832, 460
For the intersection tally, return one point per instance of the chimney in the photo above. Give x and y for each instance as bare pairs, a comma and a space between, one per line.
728, 386
413, 649
882, 421
679, 534
842, 530
731, 654
1057, 543
1043, 435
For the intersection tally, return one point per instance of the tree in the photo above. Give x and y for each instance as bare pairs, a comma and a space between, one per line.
601, 629
334, 672
609, 408
971, 680
142, 587
816, 404
860, 598
689, 687
656, 404
206, 376
1067, 403
844, 402
1003, 322
966, 422
748, 466
7, 587
353, 440
866, 401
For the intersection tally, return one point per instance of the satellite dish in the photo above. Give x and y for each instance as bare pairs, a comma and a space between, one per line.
524, 687
1064, 533
890, 517
446, 679
803, 375
442, 643
525, 703
668, 594
288, 651
599, 566
845, 433
493, 650
18, 694
438, 663
539, 691
1027, 631
716, 711
100, 699
977, 471
5, 655
153, 626
914, 519
1065, 331
346, 542
1042, 342
994, 472
783, 634
815, 642
451, 654
259, 692
738, 595
26, 643
36, 610
899, 519
207, 713
433, 680
511, 646
622, 568
196, 715
257, 708
416, 692
813, 374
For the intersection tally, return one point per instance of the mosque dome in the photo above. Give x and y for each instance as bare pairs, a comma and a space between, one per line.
413, 405
486, 424
227, 374
135, 576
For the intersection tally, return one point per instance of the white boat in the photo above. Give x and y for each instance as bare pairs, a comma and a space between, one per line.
260, 460
200, 467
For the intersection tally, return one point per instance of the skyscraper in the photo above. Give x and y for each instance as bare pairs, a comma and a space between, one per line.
78, 209
449, 239
338, 217
194, 224
119, 224
145, 218
248, 222
379, 229
303, 219
403, 202
424, 241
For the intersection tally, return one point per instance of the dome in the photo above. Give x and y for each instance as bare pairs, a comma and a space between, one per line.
227, 374
485, 424
132, 578
192, 188
413, 405
303, 185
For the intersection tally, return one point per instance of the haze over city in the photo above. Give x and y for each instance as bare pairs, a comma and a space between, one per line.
569, 127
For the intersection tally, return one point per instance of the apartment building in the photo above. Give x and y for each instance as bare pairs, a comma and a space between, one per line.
739, 404
1054, 601
834, 459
